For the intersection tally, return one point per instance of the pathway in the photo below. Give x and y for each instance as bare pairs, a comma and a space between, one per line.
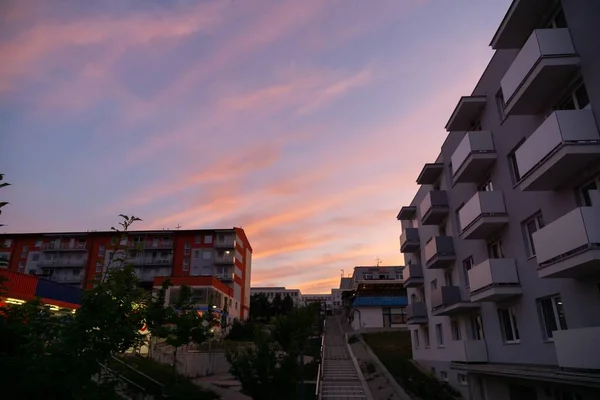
341, 380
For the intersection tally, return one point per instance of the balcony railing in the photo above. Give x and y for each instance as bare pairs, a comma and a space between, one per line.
439, 252
448, 300
569, 247
469, 351
413, 275
227, 277
62, 263
494, 280
578, 348
224, 259
225, 243
409, 240
473, 157
150, 261
416, 313
434, 207
65, 246
563, 145
540, 71
483, 215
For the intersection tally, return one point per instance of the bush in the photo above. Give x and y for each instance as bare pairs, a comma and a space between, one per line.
241, 331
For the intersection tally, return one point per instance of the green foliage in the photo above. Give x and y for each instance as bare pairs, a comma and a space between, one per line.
241, 331
261, 309
272, 368
264, 372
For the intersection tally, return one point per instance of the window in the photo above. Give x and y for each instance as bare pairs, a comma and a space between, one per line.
206, 255
426, 336
196, 253
113, 240
367, 277
439, 334
21, 266
186, 264
198, 239
457, 218
500, 104
486, 186
514, 167
531, 226
552, 315
101, 251
576, 98
7, 242
24, 251
455, 328
508, 324
444, 376
467, 265
236, 305
35, 257
187, 249
476, 327
476, 125
494, 249
589, 193
196, 271
208, 239
98, 266
462, 379
448, 278
123, 241
433, 284
39, 243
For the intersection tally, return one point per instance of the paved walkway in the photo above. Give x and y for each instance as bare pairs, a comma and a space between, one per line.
341, 381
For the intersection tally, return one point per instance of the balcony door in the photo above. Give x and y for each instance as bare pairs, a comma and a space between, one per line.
590, 193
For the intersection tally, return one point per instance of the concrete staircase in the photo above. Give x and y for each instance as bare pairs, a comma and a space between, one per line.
340, 378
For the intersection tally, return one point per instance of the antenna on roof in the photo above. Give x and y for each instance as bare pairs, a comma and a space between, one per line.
178, 227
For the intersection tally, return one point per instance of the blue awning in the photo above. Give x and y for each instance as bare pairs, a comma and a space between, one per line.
380, 301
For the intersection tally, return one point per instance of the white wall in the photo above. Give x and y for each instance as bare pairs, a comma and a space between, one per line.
367, 317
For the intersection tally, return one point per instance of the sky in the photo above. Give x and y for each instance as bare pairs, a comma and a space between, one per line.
306, 122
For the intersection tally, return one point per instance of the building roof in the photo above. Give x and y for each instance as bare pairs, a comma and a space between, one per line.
380, 301
346, 283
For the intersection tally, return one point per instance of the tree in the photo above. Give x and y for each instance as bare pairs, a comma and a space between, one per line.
274, 366
288, 304
260, 307
43, 355
277, 305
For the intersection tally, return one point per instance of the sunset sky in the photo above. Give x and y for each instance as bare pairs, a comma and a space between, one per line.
306, 122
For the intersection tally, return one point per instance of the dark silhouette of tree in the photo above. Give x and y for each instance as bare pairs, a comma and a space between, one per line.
287, 305
277, 304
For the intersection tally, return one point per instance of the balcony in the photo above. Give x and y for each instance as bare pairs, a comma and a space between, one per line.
64, 247
467, 110
409, 240
413, 275
570, 246
62, 263
439, 252
578, 348
434, 207
149, 262
407, 213
473, 157
227, 277
540, 71
468, 351
152, 245
430, 173
563, 145
416, 314
483, 215
226, 259
521, 19
494, 280
226, 243
448, 300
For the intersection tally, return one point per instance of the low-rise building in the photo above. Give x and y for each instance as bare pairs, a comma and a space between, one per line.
271, 291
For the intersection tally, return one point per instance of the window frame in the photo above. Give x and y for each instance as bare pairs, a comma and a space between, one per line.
477, 331
439, 335
538, 219
416, 338
495, 245
465, 262
426, 337
512, 323
455, 330
556, 302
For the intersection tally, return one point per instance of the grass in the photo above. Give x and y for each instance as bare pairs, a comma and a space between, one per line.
394, 350
174, 386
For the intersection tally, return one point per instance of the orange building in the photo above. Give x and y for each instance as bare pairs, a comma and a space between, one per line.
213, 262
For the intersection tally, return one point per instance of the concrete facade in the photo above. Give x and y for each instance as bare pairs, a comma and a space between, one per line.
500, 241
271, 291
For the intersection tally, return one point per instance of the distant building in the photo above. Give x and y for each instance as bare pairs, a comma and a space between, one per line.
271, 292
323, 299
379, 298
215, 262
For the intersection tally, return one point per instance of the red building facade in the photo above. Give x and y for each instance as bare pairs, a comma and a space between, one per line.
216, 259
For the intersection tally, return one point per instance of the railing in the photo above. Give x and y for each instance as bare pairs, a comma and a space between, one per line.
64, 246
320, 370
473, 142
61, 263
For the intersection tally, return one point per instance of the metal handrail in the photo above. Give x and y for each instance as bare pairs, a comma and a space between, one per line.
321, 364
